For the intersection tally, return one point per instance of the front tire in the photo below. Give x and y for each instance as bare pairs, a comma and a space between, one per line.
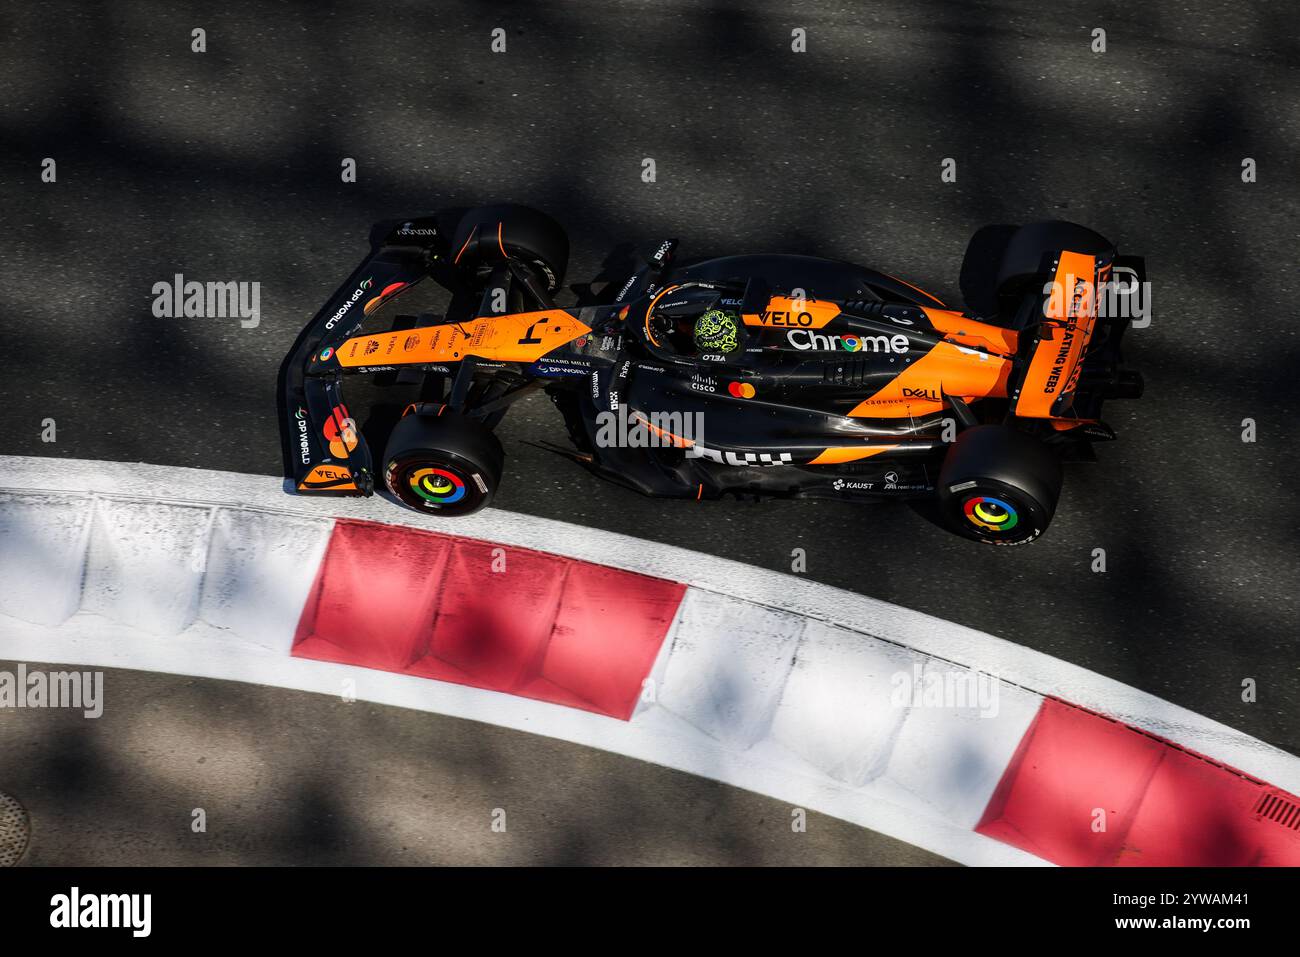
999, 486
487, 235
444, 465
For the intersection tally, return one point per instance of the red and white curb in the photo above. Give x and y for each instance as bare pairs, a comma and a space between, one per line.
765, 681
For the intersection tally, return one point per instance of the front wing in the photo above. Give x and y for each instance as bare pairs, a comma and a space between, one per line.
324, 451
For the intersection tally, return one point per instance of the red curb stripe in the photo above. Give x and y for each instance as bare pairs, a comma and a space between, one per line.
1164, 806
422, 603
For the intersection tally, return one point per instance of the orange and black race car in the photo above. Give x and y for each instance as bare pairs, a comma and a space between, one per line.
766, 375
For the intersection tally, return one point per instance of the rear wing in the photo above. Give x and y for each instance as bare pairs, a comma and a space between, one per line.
1074, 360
1070, 314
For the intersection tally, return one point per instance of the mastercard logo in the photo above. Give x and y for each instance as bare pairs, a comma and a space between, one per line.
741, 390
990, 513
437, 486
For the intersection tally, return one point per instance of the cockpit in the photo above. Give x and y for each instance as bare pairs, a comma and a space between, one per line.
695, 319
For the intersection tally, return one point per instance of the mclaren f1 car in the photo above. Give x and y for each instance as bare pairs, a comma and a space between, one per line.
753, 376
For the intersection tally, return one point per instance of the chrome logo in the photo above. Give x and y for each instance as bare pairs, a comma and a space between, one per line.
437, 486
991, 513
851, 343
326, 353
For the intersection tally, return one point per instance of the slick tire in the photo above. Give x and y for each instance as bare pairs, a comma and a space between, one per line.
999, 486
488, 234
444, 465
1025, 261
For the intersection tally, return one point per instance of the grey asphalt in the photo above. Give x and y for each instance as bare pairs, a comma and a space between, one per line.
287, 777
225, 166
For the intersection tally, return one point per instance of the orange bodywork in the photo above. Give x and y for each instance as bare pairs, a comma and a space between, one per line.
968, 332
850, 453
676, 440
947, 369
333, 477
1072, 313
517, 337
782, 312
973, 363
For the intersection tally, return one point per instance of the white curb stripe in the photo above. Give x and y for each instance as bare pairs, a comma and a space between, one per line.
759, 683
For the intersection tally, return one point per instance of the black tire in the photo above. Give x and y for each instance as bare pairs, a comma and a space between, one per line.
1024, 261
999, 486
444, 465
527, 236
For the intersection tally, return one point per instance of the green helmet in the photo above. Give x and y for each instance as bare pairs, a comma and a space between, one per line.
717, 331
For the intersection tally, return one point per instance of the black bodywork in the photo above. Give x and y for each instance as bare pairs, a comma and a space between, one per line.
756, 444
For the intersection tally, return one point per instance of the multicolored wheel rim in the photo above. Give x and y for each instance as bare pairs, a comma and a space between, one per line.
992, 514
437, 486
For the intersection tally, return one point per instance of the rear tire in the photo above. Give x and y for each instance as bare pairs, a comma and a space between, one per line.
1024, 262
999, 486
444, 465
527, 236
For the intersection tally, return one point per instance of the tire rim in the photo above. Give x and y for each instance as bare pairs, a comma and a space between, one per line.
991, 514
437, 485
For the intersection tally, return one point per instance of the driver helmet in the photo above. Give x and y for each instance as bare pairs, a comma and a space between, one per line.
717, 330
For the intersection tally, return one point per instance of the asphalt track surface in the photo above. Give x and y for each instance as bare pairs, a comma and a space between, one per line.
122, 789
225, 166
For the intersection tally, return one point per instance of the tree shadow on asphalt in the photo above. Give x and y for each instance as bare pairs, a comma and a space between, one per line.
228, 166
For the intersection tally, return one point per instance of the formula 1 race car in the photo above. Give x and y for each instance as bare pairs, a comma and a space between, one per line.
763, 375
